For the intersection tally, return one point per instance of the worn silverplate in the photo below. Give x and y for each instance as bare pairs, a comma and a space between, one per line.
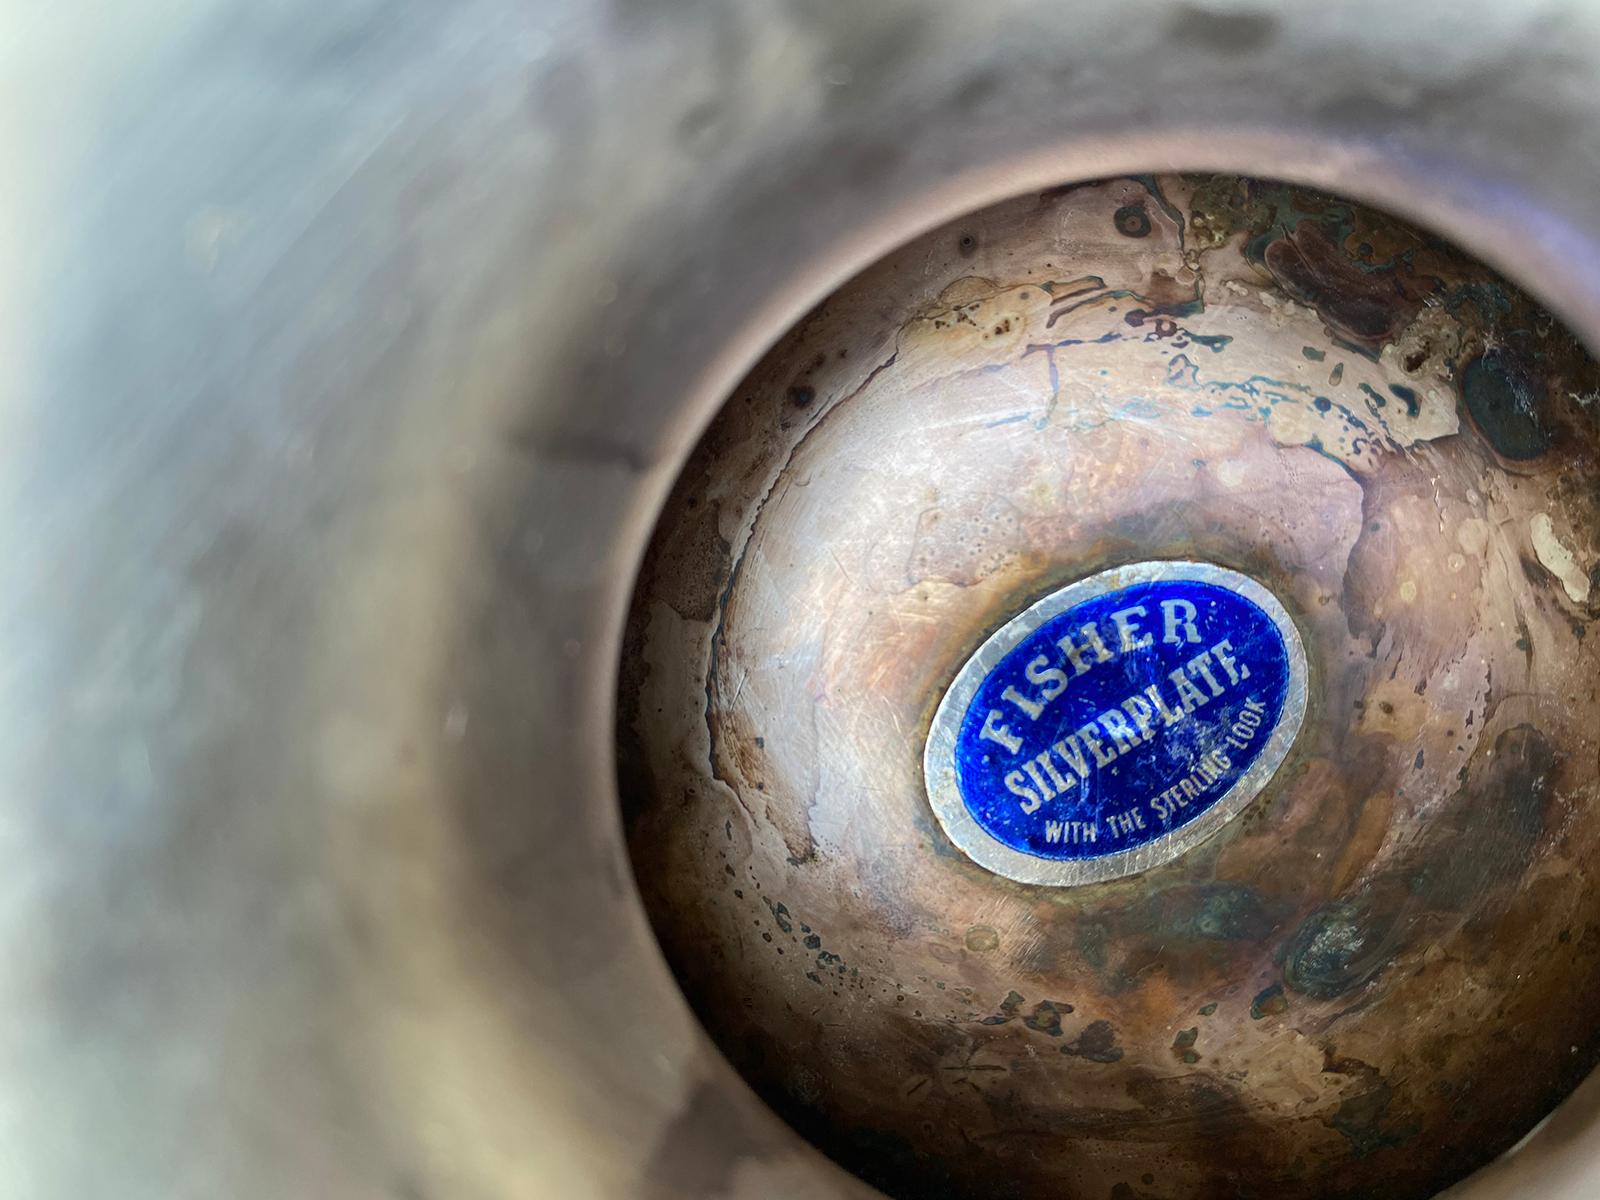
1161, 376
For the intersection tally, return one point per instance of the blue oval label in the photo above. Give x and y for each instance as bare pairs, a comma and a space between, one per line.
1116, 723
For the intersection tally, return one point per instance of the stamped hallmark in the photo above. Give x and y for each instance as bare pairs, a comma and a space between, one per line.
1116, 723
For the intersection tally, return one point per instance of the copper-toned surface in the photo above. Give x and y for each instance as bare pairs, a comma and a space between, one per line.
1377, 977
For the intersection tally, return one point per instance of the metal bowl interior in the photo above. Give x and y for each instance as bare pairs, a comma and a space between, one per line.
1377, 975
352, 351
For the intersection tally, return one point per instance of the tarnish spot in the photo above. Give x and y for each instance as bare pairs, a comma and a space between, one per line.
1338, 949
1507, 402
1097, 1043
981, 939
1558, 559
1271, 1002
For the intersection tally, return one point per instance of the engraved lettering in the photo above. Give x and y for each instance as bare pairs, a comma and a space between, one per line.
1107, 709
1128, 638
1071, 831
1001, 734
1200, 665
1032, 768
1121, 732
1189, 696
1072, 754
1061, 785
1223, 652
1172, 621
1139, 709
1075, 652
1091, 738
1051, 681
1017, 787
1031, 708
1168, 717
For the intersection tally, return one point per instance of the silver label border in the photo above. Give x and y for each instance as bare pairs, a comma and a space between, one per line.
938, 758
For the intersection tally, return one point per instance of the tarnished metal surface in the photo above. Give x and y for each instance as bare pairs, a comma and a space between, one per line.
1386, 971
349, 349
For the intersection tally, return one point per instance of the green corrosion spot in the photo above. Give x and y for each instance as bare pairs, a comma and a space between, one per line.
1211, 341
1008, 1009
1407, 396
1046, 1017
1183, 1046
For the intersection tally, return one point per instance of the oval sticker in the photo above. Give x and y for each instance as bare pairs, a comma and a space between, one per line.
1116, 723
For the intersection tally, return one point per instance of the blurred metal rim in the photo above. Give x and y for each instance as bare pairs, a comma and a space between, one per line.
350, 353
